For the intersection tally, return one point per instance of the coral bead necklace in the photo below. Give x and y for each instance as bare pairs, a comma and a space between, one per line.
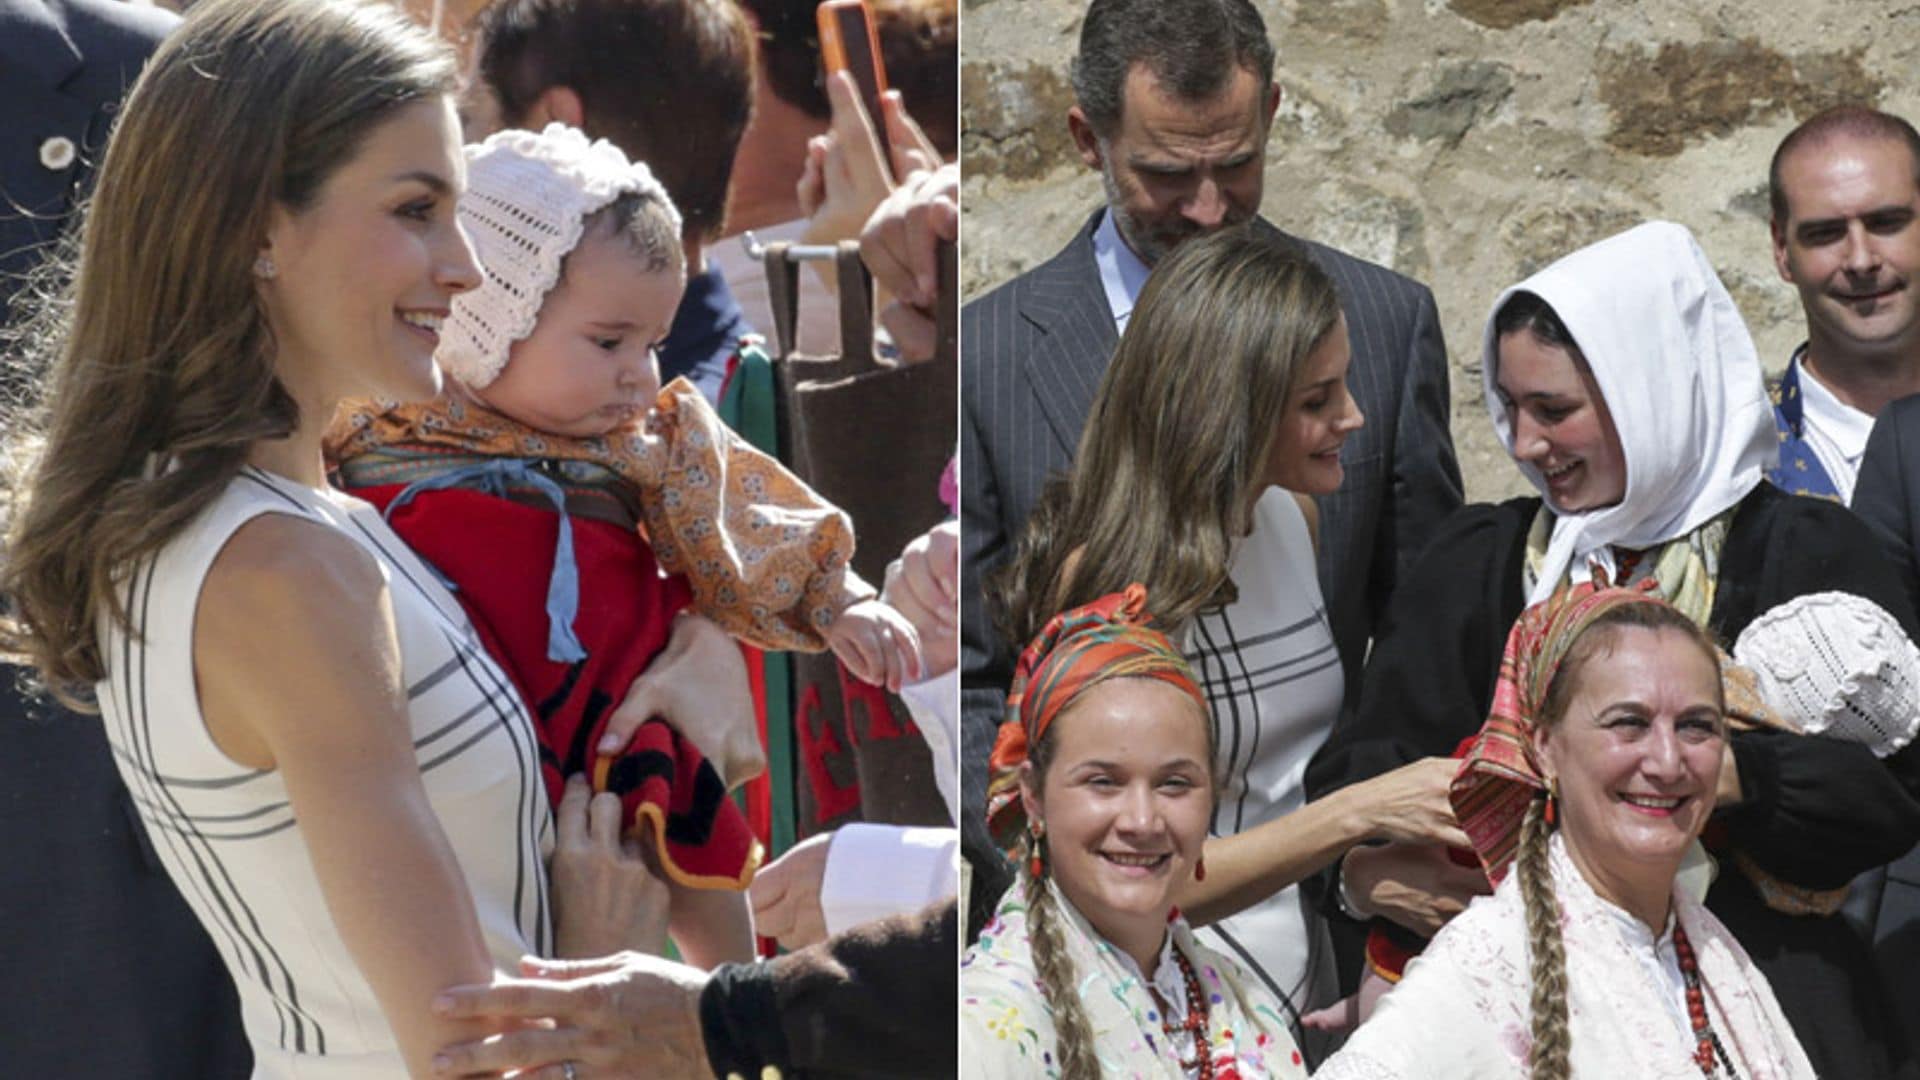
1195, 1023
1706, 1041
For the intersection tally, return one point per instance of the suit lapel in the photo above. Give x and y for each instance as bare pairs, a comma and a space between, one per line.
1075, 336
35, 44
37, 183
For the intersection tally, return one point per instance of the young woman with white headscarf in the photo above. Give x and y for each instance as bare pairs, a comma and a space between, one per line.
1628, 391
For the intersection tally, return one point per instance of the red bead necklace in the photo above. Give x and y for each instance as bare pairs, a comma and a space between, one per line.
1196, 1022
1706, 1043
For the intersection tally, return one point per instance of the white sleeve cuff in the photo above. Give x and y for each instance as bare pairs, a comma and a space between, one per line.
874, 871
934, 704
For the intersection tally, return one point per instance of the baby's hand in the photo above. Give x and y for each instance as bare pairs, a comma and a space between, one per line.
923, 584
878, 644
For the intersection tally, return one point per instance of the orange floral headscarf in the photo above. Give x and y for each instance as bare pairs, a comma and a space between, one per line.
1501, 774
1077, 650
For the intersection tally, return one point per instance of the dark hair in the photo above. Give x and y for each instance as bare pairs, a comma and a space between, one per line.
1529, 311
643, 223
670, 82
919, 44
1856, 121
789, 48
1191, 46
159, 337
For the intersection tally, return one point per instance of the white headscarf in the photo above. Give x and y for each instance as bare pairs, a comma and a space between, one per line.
1679, 374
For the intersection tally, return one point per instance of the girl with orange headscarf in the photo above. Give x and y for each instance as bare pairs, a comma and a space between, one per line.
1102, 787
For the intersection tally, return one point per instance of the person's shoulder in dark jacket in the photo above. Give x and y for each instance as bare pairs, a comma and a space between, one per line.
64, 67
1400, 292
1007, 299
112, 38
879, 999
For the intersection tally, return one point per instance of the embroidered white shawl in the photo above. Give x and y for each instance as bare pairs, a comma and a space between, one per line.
1006, 1028
1462, 1010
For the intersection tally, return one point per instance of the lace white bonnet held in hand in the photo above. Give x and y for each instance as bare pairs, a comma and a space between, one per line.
527, 200
1838, 665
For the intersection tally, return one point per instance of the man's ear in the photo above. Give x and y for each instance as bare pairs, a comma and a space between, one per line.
1778, 230
1272, 105
556, 104
1083, 137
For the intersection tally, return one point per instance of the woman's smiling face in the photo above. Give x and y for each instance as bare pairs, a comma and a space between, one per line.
1560, 423
364, 276
1637, 757
1124, 804
1318, 417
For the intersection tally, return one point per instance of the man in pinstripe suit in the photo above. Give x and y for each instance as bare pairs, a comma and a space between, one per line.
1175, 102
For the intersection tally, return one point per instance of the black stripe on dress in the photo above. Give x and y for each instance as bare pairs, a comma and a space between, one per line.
223, 890
487, 679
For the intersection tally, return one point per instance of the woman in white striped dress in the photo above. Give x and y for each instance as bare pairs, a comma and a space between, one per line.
343, 786
1221, 415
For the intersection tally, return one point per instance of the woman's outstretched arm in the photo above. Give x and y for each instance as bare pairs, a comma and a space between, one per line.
1408, 803
298, 668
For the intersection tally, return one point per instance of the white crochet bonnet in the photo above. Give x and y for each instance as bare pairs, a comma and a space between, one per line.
1838, 665
527, 200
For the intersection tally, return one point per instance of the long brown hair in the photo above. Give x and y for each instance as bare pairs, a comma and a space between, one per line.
1175, 448
1552, 1042
159, 352
1047, 940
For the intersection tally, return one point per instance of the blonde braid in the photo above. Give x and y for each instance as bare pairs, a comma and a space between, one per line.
1551, 1040
1073, 1032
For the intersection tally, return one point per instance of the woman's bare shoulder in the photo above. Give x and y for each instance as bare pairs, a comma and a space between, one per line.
286, 563
293, 622
1311, 511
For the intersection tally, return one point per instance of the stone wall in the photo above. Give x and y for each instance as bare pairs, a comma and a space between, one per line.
1470, 142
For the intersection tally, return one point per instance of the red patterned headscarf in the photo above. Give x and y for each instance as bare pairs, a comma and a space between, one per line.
1501, 775
1077, 650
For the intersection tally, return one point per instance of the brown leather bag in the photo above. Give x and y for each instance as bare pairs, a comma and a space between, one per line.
872, 438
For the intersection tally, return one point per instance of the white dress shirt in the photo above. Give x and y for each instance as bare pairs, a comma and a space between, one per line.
1836, 431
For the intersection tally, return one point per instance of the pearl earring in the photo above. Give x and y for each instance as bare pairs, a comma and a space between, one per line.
263, 268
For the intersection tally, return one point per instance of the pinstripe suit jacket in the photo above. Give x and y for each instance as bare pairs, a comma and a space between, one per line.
1032, 353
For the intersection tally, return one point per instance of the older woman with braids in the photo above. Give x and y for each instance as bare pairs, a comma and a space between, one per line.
1593, 775
1102, 787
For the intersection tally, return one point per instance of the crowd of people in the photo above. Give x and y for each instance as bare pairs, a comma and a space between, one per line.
372, 477
1306, 767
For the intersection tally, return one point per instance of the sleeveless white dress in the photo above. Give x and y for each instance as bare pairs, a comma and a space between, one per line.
1274, 684
228, 836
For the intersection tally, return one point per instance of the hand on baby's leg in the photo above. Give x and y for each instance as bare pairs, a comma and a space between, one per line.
877, 644
606, 893
698, 685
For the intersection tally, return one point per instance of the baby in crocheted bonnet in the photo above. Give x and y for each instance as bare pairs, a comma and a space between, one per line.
553, 404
